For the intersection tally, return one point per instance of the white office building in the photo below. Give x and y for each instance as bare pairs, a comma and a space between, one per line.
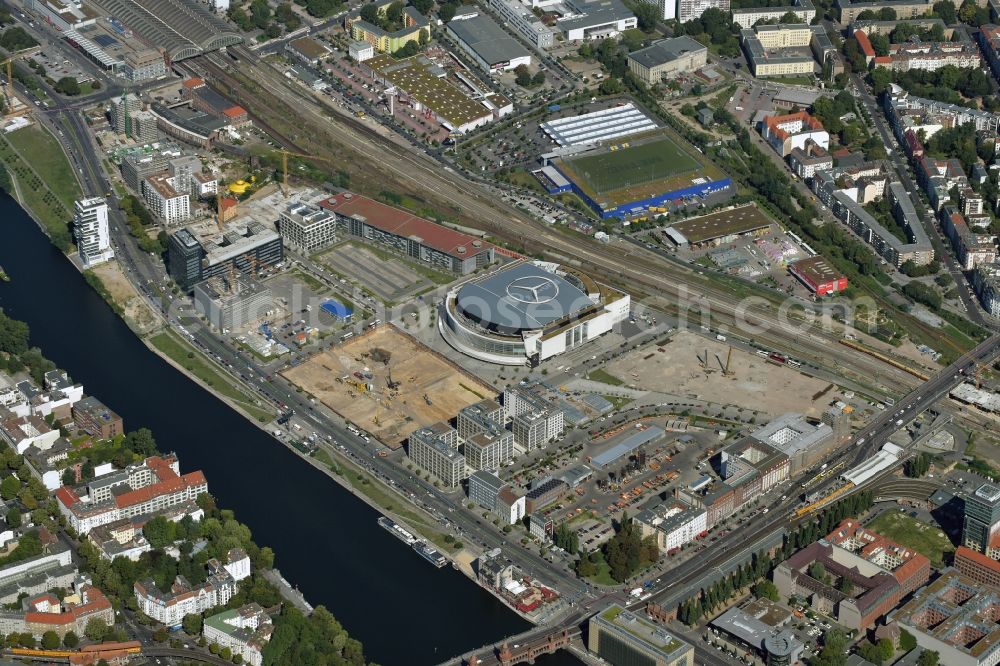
307, 228
524, 22
674, 523
90, 227
535, 429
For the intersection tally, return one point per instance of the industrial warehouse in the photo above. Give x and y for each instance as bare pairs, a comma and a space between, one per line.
819, 276
590, 128
426, 87
529, 312
721, 227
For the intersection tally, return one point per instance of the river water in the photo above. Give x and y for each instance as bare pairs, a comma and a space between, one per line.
325, 540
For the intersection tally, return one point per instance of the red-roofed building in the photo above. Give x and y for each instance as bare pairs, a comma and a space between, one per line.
913, 145
236, 115
193, 83
46, 613
876, 572
980, 568
149, 487
790, 131
419, 239
865, 45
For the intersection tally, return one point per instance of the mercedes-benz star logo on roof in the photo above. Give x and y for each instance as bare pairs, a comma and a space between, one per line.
533, 289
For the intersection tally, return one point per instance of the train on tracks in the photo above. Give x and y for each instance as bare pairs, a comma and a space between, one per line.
131, 647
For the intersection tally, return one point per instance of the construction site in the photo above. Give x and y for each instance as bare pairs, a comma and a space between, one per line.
692, 366
388, 384
14, 108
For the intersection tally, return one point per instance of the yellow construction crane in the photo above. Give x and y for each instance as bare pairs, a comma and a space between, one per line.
9, 62
284, 165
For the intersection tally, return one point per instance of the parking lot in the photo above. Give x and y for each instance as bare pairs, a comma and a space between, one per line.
56, 67
390, 278
300, 319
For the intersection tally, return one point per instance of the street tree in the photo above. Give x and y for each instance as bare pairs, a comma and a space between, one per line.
96, 629
9, 487
192, 624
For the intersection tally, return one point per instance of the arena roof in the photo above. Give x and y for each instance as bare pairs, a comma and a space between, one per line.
524, 297
184, 28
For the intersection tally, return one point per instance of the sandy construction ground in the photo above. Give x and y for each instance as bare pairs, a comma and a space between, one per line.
754, 383
420, 372
137, 313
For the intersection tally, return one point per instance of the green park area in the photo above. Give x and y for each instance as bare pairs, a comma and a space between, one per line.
603, 376
44, 179
185, 355
927, 540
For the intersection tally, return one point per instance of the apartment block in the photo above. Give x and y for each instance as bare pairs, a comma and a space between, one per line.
804, 11
788, 132
244, 630
183, 598
905, 9
164, 200
674, 523
524, 22
92, 416
153, 485
971, 249
433, 452
482, 416
90, 229
876, 573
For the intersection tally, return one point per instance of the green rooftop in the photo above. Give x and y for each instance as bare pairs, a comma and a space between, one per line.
642, 629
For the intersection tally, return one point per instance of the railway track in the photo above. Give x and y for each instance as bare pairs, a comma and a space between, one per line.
676, 288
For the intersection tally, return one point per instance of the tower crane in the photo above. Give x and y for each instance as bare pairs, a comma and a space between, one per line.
284, 164
7, 94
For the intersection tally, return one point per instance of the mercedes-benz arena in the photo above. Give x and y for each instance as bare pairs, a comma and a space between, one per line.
529, 312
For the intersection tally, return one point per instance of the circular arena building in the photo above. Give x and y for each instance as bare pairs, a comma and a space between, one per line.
528, 312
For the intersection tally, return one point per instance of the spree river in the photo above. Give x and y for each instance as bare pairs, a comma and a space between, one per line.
326, 541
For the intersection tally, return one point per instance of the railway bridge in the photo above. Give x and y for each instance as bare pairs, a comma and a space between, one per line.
521, 649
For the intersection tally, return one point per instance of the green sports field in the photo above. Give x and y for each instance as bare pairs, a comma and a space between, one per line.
633, 166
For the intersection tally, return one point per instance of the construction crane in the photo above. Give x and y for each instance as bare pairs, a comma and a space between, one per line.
8, 97
284, 165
